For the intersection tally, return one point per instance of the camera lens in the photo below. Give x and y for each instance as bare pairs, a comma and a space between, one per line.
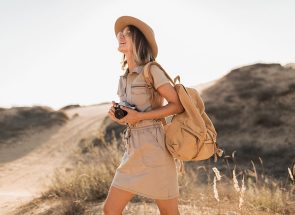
119, 113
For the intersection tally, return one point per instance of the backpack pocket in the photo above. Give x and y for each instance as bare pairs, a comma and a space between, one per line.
181, 141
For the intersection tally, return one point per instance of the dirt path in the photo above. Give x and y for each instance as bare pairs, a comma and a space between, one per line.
27, 166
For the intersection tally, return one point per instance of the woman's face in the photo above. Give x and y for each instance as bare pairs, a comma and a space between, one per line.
125, 41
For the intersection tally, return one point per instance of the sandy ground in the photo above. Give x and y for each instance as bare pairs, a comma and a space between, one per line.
27, 165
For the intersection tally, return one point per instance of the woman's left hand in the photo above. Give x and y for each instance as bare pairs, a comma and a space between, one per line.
132, 116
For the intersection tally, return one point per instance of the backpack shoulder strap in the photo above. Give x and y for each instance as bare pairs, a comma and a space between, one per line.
150, 81
148, 77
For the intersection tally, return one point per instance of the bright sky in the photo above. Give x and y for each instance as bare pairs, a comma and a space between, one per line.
59, 52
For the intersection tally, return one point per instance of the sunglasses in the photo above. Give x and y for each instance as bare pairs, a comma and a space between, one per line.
124, 35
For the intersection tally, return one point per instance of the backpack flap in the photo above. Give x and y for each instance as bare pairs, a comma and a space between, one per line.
195, 121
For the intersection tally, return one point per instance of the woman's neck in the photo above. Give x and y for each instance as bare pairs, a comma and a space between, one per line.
131, 64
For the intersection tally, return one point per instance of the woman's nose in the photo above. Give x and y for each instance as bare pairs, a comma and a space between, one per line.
121, 40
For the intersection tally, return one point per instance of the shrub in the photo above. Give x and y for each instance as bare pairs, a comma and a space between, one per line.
267, 120
91, 177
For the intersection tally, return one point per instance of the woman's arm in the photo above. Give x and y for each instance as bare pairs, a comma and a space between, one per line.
173, 107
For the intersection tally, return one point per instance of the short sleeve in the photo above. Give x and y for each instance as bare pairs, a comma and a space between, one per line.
159, 76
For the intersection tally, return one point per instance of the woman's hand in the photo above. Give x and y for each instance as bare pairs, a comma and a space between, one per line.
111, 114
132, 116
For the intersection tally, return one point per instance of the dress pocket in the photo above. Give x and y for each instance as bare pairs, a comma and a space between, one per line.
153, 150
139, 94
138, 89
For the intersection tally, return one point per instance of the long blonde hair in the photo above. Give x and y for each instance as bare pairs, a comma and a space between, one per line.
142, 51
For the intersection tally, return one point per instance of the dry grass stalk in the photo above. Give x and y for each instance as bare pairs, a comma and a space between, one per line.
255, 172
242, 191
217, 173
236, 183
215, 189
291, 175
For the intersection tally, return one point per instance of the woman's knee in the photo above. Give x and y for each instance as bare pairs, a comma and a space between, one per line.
116, 201
105, 208
109, 210
168, 207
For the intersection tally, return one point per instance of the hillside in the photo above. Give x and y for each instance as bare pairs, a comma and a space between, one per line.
44, 142
17, 121
253, 110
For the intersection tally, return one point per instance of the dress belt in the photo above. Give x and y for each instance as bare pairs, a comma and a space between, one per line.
140, 124
144, 123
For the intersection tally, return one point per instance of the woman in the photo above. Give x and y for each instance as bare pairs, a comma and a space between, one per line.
147, 168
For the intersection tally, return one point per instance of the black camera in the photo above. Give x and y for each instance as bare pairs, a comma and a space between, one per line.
120, 113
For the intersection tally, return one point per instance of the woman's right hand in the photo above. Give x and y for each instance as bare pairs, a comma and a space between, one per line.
111, 113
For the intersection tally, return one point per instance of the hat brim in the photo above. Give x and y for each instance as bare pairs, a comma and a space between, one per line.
147, 31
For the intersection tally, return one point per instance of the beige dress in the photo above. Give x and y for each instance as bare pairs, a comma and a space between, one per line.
147, 168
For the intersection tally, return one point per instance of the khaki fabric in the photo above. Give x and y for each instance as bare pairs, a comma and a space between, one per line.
133, 88
146, 168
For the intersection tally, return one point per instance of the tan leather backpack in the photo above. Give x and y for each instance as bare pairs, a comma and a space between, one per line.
190, 135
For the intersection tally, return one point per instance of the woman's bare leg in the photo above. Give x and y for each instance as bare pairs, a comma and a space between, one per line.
168, 206
116, 201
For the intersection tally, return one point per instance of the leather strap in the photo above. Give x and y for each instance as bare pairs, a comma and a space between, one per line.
150, 81
148, 77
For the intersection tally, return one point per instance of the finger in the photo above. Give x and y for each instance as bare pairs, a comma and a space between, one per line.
111, 113
112, 109
122, 120
112, 118
125, 108
114, 103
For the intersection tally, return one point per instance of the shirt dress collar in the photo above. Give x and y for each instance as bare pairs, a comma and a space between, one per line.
137, 69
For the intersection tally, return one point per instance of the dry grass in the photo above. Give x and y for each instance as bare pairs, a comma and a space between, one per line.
244, 191
206, 188
72, 207
90, 178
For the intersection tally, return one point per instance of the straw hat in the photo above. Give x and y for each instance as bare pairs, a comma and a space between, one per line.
147, 31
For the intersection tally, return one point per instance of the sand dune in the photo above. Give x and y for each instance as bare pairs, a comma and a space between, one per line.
34, 157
